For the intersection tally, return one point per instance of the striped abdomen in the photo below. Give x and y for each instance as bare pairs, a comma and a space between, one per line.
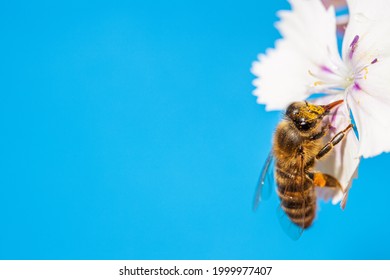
298, 199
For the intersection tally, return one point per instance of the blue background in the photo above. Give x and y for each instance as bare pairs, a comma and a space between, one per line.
129, 131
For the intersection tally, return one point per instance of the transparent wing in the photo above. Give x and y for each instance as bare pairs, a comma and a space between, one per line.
295, 203
292, 230
266, 181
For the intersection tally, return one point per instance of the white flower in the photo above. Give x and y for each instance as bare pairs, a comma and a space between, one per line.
309, 32
307, 61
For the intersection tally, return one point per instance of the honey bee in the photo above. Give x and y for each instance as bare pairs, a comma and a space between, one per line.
297, 145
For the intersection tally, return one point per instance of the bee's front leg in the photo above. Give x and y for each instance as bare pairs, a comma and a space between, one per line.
335, 140
322, 132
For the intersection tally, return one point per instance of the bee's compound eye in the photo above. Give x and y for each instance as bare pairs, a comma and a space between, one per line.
292, 110
304, 126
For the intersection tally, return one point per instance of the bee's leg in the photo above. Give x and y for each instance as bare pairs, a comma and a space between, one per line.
320, 134
325, 180
335, 140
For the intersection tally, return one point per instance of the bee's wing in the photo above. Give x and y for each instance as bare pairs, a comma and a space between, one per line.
266, 181
294, 230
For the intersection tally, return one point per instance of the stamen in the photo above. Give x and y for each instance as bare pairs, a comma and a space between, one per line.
366, 72
353, 46
311, 74
326, 69
354, 41
356, 86
374, 61
318, 83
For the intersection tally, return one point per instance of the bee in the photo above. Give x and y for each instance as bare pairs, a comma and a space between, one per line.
297, 145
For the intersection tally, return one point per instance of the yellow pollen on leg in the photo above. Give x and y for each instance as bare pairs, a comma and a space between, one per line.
319, 180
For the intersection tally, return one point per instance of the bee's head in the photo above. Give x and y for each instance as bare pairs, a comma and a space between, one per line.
306, 116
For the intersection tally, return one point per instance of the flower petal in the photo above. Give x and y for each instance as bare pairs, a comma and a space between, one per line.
310, 27
369, 20
372, 116
282, 76
376, 80
290, 71
343, 161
